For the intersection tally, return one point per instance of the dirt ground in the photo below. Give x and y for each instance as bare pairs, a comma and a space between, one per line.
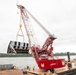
11, 72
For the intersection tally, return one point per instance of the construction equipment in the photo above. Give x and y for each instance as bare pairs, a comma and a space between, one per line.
44, 56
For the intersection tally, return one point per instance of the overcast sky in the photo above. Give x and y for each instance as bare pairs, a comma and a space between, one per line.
58, 16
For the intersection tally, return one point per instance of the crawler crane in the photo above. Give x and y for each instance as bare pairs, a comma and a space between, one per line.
44, 56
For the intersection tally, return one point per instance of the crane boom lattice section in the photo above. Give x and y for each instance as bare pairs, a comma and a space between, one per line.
28, 27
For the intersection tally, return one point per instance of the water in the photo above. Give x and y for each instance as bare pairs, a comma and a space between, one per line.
22, 62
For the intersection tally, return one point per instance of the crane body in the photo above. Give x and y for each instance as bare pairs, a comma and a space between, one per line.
44, 56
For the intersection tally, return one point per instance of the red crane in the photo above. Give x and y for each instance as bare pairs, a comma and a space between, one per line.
44, 56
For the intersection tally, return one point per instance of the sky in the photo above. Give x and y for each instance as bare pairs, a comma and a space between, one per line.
57, 16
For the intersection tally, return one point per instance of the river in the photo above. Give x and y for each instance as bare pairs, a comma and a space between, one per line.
22, 62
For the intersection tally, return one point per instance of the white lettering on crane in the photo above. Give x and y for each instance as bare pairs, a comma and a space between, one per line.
42, 64
52, 64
